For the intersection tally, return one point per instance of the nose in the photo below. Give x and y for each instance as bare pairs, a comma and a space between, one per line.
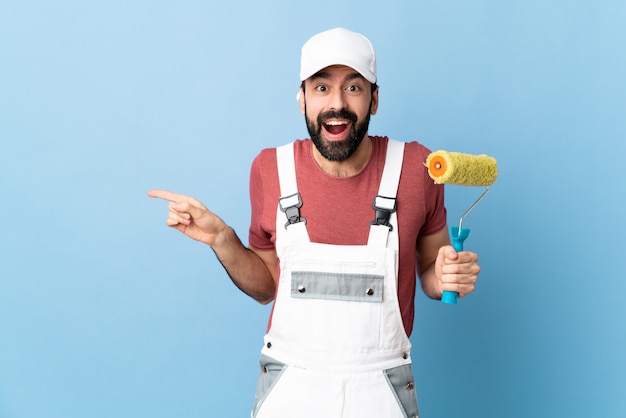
337, 99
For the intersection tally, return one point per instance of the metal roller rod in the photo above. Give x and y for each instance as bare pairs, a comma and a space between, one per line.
473, 206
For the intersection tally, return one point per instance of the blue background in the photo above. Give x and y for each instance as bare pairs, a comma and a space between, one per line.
106, 312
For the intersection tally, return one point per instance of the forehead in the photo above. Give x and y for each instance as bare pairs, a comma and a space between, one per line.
341, 72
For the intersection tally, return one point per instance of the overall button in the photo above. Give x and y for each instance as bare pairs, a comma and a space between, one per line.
369, 292
405, 355
301, 289
269, 345
410, 386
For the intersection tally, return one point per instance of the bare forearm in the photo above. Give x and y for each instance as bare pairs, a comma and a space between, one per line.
427, 250
251, 271
431, 286
245, 268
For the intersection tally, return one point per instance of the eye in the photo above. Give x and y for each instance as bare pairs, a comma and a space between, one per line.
321, 88
353, 88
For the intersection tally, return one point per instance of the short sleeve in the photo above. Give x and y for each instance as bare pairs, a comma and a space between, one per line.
264, 191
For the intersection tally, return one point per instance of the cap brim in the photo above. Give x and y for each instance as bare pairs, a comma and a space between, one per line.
330, 61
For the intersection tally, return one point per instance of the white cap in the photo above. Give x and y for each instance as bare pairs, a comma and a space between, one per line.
338, 46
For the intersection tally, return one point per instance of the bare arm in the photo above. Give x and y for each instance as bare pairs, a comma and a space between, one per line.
252, 271
440, 267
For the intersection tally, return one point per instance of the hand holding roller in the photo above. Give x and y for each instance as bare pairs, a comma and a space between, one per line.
466, 170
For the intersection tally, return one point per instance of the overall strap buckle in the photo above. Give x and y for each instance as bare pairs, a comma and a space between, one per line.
384, 207
291, 205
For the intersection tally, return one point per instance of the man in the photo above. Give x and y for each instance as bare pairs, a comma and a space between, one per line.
341, 223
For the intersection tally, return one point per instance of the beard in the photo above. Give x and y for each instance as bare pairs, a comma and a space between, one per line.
337, 150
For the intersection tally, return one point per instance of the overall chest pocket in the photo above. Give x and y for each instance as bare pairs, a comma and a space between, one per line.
356, 287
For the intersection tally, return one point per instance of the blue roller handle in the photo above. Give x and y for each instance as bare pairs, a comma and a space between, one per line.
457, 242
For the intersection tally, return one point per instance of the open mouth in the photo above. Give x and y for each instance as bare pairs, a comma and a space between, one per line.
337, 127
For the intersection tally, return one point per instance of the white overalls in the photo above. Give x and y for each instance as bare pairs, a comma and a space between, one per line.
336, 347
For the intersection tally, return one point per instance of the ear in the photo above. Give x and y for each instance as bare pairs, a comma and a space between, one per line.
301, 100
374, 106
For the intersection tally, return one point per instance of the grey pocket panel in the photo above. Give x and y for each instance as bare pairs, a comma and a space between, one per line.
402, 384
271, 370
337, 286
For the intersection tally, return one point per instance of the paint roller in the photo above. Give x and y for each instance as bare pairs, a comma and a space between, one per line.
466, 170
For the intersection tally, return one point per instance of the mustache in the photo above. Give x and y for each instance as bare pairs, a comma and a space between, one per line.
334, 114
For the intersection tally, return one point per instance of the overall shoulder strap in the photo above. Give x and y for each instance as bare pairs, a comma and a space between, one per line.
288, 212
286, 169
393, 167
384, 231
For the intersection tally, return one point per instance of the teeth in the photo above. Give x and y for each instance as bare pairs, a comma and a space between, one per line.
336, 123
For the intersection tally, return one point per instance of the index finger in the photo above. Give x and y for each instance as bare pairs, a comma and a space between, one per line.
175, 197
166, 195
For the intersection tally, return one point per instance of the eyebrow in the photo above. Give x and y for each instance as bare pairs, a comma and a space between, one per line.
326, 75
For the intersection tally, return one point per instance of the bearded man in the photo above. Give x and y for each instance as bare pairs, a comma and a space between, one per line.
342, 224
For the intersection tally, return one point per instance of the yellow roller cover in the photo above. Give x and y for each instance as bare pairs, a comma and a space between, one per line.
463, 169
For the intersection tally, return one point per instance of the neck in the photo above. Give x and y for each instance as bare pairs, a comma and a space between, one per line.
350, 167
